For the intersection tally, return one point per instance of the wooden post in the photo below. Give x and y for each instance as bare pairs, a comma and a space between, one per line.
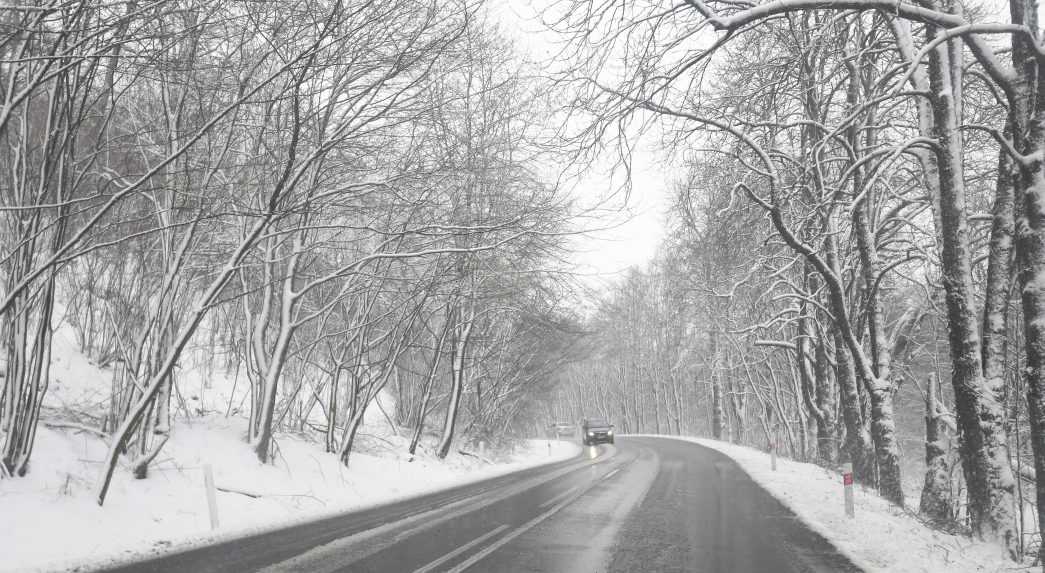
212, 500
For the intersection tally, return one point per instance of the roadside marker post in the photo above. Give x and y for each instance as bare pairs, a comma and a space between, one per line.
847, 483
772, 450
774, 430
212, 500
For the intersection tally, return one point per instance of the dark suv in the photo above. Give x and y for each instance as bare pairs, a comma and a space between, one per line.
596, 431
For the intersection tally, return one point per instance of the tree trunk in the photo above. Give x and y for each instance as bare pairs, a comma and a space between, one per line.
1027, 126
717, 407
857, 437
985, 458
935, 503
426, 392
460, 347
1031, 260
887, 451
349, 437
827, 400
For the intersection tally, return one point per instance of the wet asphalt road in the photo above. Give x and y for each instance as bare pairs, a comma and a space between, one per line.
644, 505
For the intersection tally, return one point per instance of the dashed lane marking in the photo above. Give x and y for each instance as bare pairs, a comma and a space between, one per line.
451, 555
516, 533
558, 498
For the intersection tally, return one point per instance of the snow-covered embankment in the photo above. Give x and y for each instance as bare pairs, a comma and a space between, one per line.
881, 537
52, 520
59, 525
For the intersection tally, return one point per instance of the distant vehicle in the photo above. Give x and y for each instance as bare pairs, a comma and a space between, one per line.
564, 429
596, 431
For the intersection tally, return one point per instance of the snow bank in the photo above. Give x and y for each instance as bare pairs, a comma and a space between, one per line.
59, 525
882, 537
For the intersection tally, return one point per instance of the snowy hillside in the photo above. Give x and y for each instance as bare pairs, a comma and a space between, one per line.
169, 508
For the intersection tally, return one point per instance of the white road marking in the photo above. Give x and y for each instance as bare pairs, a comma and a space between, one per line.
435, 564
522, 529
558, 498
332, 556
609, 475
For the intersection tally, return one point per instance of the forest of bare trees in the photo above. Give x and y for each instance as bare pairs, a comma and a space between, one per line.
330, 198
339, 199
853, 270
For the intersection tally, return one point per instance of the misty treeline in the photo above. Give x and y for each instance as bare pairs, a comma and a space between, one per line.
323, 198
856, 250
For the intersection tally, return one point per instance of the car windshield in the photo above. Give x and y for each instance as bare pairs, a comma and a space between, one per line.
597, 423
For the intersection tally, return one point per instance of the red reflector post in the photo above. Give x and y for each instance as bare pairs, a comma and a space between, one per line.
847, 483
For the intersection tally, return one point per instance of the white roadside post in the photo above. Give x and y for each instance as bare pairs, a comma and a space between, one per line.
212, 500
772, 449
847, 483
773, 427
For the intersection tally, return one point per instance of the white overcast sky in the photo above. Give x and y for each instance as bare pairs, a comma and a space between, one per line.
638, 225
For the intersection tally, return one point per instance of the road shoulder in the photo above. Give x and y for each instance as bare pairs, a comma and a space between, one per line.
881, 537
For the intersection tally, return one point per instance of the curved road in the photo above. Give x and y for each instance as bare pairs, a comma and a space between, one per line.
644, 505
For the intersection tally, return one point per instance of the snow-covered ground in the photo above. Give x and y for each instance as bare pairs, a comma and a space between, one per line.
51, 520
881, 537
59, 524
